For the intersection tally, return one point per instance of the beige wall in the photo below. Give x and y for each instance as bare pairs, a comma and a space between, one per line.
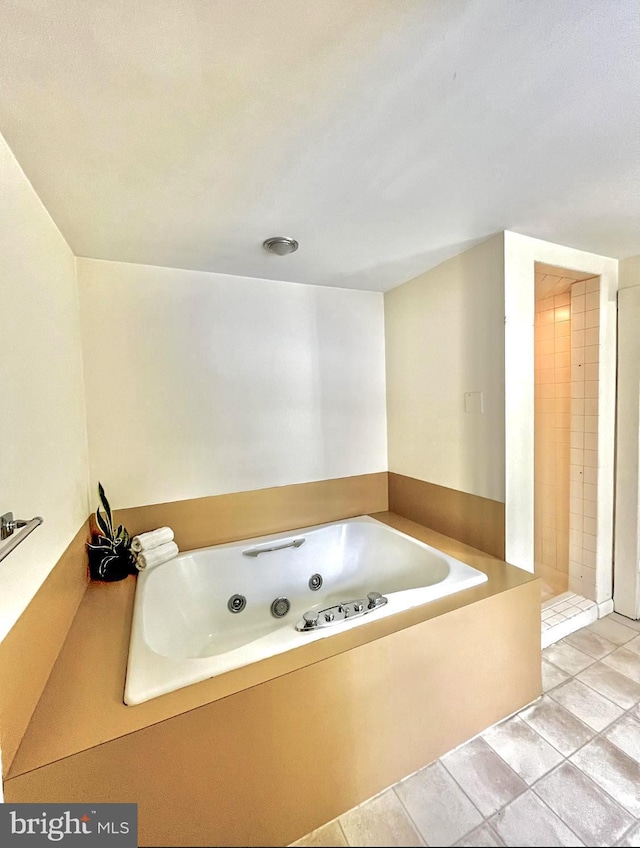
217, 384
445, 337
630, 272
44, 468
627, 526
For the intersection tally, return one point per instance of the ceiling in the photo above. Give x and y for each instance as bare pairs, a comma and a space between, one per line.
384, 136
550, 280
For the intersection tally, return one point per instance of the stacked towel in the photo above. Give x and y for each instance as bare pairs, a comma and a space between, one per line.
153, 548
152, 539
156, 556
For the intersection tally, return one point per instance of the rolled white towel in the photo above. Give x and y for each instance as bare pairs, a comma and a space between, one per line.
152, 539
156, 556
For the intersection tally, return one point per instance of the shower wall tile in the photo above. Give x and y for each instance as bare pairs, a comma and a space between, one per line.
552, 436
578, 320
577, 338
591, 389
592, 301
578, 303
590, 442
583, 458
590, 508
591, 458
592, 319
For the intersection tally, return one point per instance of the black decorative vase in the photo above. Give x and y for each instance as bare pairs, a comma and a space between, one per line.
107, 568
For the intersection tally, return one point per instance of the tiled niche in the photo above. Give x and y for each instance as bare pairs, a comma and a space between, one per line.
566, 430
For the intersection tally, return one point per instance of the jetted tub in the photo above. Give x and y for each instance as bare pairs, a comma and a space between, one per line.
215, 609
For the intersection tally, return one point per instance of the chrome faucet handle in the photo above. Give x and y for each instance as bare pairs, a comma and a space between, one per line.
310, 619
374, 599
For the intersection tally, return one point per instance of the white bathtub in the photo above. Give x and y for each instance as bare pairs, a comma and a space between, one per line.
183, 630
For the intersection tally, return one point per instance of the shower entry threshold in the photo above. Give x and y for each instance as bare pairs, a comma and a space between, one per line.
565, 614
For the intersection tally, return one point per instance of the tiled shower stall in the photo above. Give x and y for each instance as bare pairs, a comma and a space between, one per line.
583, 455
566, 432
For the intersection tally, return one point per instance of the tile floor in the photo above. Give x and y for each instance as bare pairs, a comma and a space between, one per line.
563, 771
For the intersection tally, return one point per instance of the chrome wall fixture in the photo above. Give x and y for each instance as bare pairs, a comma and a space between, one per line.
8, 526
280, 245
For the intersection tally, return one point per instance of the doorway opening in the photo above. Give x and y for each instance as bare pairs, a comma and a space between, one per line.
585, 434
566, 385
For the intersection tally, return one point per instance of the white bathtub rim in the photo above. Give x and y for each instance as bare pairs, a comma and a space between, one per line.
158, 674
286, 536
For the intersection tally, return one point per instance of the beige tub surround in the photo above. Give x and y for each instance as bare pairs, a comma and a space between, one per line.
421, 682
476, 521
30, 649
200, 522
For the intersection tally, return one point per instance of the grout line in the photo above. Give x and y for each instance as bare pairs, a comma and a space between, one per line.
584, 774
493, 829
591, 780
584, 683
506, 804
408, 814
565, 759
559, 817
341, 829
597, 659
628, 831
597, 735
484, 823
564, 756
558, 668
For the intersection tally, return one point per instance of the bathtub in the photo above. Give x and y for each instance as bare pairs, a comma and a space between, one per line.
212, 610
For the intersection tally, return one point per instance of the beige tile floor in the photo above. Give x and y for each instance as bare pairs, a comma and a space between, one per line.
563, 771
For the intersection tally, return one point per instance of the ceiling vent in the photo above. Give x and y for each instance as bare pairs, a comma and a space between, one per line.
280, 245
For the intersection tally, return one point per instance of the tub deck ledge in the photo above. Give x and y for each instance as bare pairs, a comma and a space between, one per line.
82, 707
